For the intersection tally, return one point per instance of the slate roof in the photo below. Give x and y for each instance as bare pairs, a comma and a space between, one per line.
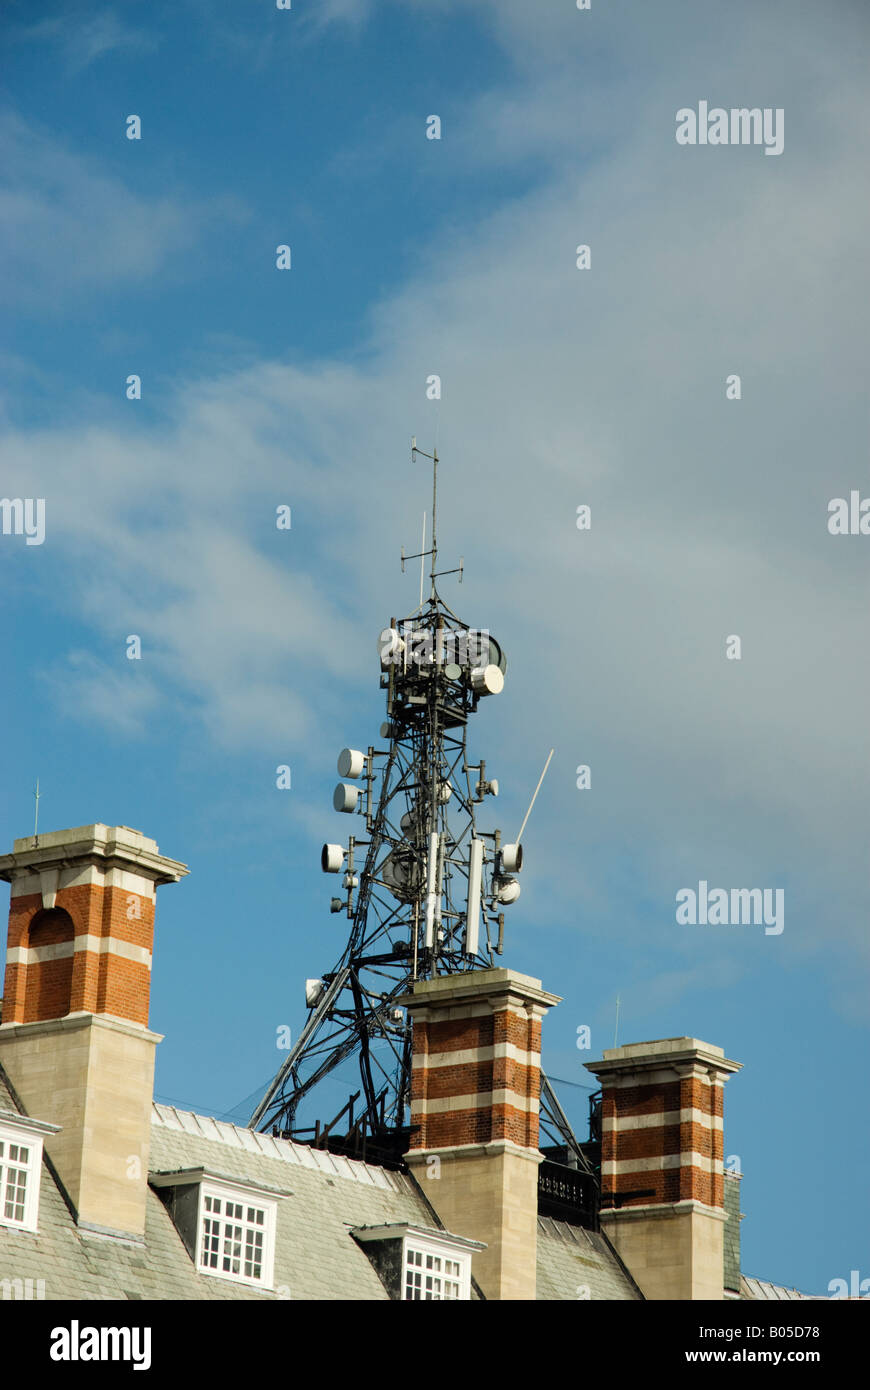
761, 1289
315, 1257
575, 1263
731, 1234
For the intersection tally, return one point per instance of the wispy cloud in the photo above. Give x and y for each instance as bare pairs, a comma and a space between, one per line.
354, 13
116, 698
82, 39
65, 226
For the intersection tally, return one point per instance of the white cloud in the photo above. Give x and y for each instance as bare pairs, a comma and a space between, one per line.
352, 12
66, 227
85, 38
560, 387
119, 697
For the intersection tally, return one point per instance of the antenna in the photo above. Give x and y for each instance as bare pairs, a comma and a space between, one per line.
433, 549
534, 796
36, 817
434, 513
616, 1029
423, 886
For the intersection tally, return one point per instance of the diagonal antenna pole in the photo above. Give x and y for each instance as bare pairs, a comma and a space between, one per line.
532, 802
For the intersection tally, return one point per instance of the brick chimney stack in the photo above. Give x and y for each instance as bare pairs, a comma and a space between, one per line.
74, 1038
662, 1174
475, 1102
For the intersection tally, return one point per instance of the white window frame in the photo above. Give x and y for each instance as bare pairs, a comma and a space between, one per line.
246, 1197
431, 1256
20, 1132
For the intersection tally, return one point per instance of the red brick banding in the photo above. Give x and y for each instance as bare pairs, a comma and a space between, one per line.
470, 1078
480, 1126
623, 1141
483, 1123
84, 981
664, 1186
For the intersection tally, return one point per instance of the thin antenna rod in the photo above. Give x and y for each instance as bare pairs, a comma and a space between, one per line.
532, 802
434, 511
422, 559
616, 1029
433, 551
36, 817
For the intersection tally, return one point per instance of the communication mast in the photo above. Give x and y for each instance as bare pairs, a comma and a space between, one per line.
422, 884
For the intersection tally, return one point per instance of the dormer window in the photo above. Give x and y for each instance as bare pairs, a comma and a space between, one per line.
227, 1224
431, 1276
20, 1166
16, 1180
235, 1237
416, 1263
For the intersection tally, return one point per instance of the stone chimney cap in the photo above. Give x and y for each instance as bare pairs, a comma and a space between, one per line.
118, 844
471, 986
661, 1053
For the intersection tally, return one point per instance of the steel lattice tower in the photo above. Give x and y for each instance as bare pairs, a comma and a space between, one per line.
424, 887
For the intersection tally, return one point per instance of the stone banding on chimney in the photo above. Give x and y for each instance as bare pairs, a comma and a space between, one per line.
476, 1069
74, 1038
662, 1122
475, 1103
476, 1078
662, 1179
81, 923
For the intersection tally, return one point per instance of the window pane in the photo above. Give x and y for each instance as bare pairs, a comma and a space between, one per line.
16, 1185
234, 1246
443, 1281
210, 1243
253, 1253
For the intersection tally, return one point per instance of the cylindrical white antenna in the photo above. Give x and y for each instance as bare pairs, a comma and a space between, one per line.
431, 892
532, 802
472, 920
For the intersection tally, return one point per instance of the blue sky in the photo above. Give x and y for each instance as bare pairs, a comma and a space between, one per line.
560, 387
